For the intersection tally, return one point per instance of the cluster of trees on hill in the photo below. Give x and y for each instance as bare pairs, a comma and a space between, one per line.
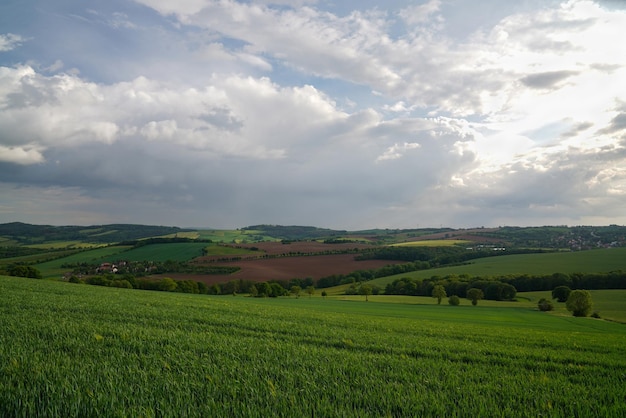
577, 237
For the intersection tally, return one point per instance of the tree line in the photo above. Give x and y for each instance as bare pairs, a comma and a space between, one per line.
491, 289
506, 287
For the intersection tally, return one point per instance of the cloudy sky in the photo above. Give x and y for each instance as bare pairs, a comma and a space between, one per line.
345, 114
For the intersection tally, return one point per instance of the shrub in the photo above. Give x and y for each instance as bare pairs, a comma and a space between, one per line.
74, 279
454, 300
545, 305
561, 293
123, 284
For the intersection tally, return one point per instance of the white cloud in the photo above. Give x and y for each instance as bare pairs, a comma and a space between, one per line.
10, 41
397, 151
20, 155
283, 111
421, 13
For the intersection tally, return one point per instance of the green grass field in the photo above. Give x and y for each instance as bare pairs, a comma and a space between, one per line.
157, 252
610, 304
591, 261
234, 236
179, 251
77, 350
432, 243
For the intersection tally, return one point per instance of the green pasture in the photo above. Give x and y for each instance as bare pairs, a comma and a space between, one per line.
65, 244
185, 234
591, 261
35, 258
234, 236
53, 268
432, 243
178, 251
78, 350
610, 304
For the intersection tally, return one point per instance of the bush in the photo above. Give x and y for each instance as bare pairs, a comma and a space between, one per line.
123, 284
545, 305
74, 279
454, 300
561, 293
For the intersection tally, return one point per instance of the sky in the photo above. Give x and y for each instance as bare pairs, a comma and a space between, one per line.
338, 114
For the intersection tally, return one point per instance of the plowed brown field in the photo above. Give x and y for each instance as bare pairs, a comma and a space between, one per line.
285, 268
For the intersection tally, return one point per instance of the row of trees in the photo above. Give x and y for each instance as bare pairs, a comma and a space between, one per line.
530, 283
491, 289
128, 281
21, 270
144, 268
272, 288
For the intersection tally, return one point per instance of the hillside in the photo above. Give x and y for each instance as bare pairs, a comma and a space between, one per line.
17, 233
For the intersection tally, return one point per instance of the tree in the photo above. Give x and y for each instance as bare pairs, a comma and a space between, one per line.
475, 295
277, 290
324, 294
545, 305
167, 284
579, 303
366, 290
253, 291
454, 300
500, 291
439, 292
264, 290
561, 293
295, 290
310, 290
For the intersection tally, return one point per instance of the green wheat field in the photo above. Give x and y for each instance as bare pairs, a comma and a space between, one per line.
77, 350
